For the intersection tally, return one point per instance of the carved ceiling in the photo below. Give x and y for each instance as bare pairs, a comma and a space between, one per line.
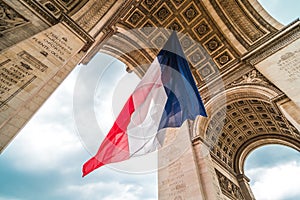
189, 18
225, 30
245, 120
194, 20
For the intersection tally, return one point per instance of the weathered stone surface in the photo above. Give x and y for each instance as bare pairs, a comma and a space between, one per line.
283, 70
178, 176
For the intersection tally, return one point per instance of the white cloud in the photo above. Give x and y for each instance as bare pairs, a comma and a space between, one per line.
107, 191
49, 139
275, 183
44, 147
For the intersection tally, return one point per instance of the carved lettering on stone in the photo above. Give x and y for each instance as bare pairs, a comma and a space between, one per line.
54, 44
290, 63
175, 182
16, 75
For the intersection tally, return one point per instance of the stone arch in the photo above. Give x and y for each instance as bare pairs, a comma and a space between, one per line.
228, 96
259, 96
251, 119
260, 141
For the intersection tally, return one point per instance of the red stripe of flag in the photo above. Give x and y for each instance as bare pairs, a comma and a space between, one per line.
114, 147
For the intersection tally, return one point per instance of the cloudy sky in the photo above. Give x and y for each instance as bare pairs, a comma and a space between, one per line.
44, 161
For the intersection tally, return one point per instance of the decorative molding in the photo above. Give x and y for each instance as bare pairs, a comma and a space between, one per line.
177, 3
224, 58
42, 11
213, 44
135, 17
163, 13
239, 22
275, 45
188, 18
149, 4
191, 13
89, 40
258, 17
202, 29
89, 19
246, 76
175, 25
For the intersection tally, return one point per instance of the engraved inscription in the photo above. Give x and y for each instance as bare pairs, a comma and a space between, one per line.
15, 75
290, 64
54, 45
33, 61
175, 181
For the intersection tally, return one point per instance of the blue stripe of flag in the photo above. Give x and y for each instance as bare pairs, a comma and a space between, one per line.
184, 101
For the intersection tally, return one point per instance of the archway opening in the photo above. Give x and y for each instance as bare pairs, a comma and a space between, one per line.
47, 155
274, 172
284, 16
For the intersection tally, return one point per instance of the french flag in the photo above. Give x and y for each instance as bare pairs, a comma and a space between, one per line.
166, 97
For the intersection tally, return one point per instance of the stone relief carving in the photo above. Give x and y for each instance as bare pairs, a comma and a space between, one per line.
228, 187
252, 77
9, 18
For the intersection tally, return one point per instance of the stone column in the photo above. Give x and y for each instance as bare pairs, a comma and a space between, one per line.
208, 176
245, 187
178, 176
30, 71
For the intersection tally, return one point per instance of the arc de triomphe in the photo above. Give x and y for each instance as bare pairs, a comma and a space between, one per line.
235, 43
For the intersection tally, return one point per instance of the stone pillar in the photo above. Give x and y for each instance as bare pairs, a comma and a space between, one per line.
208, 176
178, 176
30, 71
245, 187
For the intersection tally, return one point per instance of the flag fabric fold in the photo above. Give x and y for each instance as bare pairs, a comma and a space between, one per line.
166, 97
